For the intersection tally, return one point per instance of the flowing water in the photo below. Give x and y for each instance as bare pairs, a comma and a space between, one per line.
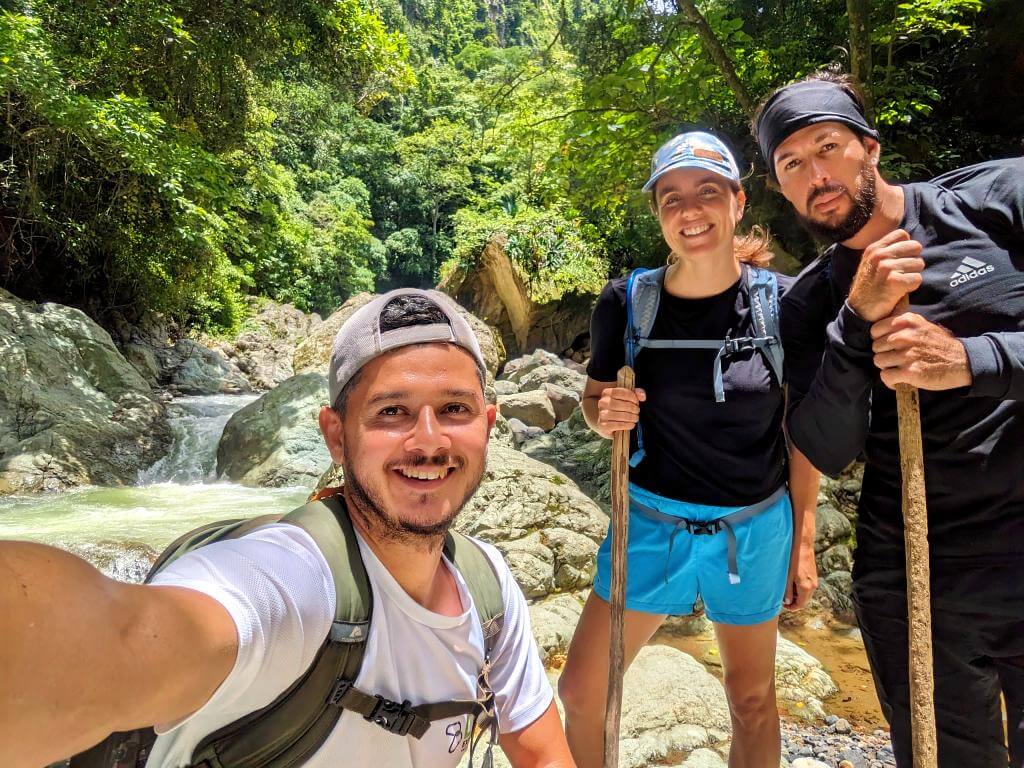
120, 530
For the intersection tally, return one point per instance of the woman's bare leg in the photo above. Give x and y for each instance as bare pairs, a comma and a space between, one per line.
583, 687
748, 660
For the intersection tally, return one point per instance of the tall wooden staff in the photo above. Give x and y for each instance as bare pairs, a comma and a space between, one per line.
620, 533
919, 611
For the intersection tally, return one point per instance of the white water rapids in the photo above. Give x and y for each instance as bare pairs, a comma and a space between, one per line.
120, 529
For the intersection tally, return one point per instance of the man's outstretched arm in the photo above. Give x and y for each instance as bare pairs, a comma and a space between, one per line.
541, 744
83, 655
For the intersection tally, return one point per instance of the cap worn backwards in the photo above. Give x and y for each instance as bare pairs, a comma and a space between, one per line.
695, 149
806, 103
360, 338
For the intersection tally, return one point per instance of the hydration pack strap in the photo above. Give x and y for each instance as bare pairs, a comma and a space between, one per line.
710, 527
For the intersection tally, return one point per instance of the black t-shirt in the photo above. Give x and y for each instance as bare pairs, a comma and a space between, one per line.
972, 230
728, 454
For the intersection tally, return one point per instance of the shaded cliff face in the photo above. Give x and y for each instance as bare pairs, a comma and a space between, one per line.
497, 292
73, 411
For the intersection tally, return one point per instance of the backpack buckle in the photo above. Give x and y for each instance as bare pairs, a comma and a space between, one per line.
392, 716
703, 527
732, 346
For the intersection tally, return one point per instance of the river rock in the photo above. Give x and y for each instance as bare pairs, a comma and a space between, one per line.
265, 347
522, 432
554, 620
801, 682
73, 411
193, 369
835, 594
552, 374
831, 527
275, 441
574, 449
516, 368
505, 387
703, 758
314, 354
532, 408
670, 704
563, 400
547, 528
836, 558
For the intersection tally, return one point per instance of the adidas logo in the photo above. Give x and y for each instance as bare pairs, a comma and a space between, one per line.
968, 270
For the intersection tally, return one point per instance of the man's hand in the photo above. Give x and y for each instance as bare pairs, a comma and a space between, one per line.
889, 269
803, 576
910, 350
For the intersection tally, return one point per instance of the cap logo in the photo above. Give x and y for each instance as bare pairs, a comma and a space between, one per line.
708, 154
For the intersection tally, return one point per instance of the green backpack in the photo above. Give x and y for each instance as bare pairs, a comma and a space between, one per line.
289, 730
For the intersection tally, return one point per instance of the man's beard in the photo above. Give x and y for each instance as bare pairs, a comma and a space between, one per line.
863, 206
370, 505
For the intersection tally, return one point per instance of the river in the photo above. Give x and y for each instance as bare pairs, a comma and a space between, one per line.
120, 529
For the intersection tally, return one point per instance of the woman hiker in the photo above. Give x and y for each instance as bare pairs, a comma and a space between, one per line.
714, 495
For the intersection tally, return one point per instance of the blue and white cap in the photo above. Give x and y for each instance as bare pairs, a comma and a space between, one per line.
695, 149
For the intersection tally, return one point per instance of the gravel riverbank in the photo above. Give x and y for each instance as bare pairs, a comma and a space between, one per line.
835, 745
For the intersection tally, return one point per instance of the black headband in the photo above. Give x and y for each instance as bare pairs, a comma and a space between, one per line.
806, 103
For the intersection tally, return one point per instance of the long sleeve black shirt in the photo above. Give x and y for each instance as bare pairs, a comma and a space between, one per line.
971, 223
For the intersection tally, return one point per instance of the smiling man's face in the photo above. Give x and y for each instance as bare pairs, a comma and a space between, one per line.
827, 173
412, 439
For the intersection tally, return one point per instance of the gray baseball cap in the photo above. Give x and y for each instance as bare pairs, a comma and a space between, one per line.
360, 338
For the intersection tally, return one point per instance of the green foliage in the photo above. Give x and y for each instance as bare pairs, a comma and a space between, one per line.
180, 156
550, 255
142, 165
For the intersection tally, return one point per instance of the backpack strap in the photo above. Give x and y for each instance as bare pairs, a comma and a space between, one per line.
763, 292
643, 291
643, 295
291, 728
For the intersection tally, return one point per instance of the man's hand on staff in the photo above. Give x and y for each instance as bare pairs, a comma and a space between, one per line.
890, 268
910, 350
618, 409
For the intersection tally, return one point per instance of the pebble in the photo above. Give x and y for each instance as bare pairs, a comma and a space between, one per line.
834, 744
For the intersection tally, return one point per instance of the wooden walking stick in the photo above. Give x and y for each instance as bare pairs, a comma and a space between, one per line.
620, 533
919, 610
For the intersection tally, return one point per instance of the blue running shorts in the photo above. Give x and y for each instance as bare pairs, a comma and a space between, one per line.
667, 567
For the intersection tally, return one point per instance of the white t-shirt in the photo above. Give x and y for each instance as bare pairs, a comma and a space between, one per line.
278, 589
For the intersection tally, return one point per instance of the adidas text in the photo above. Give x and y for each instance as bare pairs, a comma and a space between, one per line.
963, 278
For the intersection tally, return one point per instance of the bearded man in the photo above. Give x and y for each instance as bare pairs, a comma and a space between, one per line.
229, 628
956, 246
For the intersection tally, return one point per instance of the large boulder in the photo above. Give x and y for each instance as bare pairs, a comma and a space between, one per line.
275, 441
526, 314
831, 527
548, 530
73, 411
561, 375
573, 448
314, 354
801, 682
264, 348
534, 409
554, 621
674, 712
193, 369
670, 705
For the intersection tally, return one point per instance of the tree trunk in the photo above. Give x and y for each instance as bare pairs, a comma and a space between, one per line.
859, 14
718, 54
